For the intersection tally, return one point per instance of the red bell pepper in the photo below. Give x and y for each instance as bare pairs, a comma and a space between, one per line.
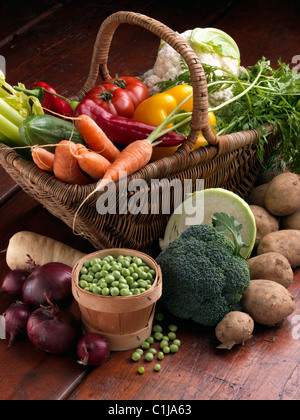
123, 130
50, 99
119, 96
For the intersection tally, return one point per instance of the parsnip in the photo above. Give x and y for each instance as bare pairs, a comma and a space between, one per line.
41, 249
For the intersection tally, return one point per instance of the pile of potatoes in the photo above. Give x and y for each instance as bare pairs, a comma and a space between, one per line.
275, 203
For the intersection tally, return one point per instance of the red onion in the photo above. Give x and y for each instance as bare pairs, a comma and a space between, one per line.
16, 317
50, 330
13, 282
51, 280
92, 349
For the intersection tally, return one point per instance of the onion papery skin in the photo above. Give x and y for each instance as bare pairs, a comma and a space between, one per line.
13, 282
16, 318
51, 280
50, 330
92, 349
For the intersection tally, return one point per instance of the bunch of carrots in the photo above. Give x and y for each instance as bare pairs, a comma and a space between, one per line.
100, 159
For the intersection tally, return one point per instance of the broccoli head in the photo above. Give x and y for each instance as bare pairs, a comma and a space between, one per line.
203, 275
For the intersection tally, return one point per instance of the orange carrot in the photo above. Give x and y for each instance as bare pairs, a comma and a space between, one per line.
92, 163
95, 137
65, 165
43, 158
133, 157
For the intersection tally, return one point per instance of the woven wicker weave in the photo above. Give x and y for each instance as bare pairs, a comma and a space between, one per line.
229, 161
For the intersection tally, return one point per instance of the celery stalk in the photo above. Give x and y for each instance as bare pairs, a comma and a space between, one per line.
10, 131
10, 113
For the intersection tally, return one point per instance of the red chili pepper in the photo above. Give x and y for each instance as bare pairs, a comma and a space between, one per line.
123, 130
119, 96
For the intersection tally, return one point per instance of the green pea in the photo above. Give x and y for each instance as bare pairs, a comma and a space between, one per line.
173, 327
98, 276
157, 328
95, 261
96, 290
136, 291
150, 340
120, 258
83, 284
135, 356
103, 273
134, 266
116, 274
87, 264
89, 278
139, 351
106, 266
102, 284
105, 291
157, 367
135, 276
158, 336
141, 370
152, 350
142, 275
137, 260
125, 272
149, 357
142, 283
166, 349
172, 335
96, 267
163, 344
160, 355
124, 292
83, 270
125, 263
114, 291
166, 338
173, 348
177, 342
114, 283
149, 276
109, 278
145, 345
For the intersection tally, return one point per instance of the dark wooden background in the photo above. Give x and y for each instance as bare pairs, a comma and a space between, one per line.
53, 41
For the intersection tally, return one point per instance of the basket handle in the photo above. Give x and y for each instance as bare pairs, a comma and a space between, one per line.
99, 61
199, 121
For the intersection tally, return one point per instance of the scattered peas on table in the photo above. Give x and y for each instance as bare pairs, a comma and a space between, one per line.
168, 344
121, 276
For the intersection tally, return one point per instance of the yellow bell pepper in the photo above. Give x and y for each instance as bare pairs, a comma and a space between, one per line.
155, 109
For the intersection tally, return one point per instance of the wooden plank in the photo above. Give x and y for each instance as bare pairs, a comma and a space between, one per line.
26, 372
265, 367
18, 20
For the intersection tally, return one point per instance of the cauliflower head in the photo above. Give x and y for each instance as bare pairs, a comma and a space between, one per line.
168, 66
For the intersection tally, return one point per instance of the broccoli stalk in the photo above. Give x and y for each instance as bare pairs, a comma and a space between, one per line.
204, 275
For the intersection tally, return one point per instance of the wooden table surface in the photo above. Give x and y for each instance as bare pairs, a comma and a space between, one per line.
53, 41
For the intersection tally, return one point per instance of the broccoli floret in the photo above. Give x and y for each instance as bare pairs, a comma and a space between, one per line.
203, 275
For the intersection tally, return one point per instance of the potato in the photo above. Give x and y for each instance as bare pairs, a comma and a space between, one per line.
271, 265
267, 302
257, 195
292, 221
282, 196
265, 222
286, 242
235, 328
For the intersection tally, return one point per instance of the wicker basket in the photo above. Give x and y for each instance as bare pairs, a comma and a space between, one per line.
229, 161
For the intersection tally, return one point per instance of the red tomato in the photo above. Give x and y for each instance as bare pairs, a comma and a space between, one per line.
119, 96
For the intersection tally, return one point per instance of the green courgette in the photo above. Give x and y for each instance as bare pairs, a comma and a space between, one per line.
46, 129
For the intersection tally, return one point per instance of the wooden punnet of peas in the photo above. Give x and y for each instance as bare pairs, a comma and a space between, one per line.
121, 276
